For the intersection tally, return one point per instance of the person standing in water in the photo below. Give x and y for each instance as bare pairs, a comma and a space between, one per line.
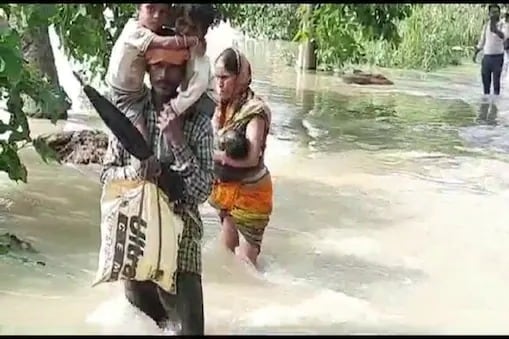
491, 43
186, 144
242, 192
506, 47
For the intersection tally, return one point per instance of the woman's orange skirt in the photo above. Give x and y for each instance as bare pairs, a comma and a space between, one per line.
249, 204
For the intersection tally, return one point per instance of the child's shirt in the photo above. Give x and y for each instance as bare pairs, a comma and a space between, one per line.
127, 66
199, 80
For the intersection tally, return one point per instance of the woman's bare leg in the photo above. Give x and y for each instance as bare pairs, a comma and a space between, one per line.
229, 234
249, 252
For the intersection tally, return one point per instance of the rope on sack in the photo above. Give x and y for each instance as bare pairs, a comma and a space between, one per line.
157, 273
145, 178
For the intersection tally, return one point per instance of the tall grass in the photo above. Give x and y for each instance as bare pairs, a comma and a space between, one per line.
434, 36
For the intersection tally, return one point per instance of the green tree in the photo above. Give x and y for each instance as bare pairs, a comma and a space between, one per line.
270, 21
340, 30
19, 78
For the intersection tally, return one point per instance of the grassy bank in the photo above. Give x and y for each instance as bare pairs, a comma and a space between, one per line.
422, 36
434, 36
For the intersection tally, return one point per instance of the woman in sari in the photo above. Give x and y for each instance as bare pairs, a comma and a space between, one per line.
242, 193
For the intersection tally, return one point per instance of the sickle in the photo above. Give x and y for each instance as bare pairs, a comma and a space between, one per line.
117, 122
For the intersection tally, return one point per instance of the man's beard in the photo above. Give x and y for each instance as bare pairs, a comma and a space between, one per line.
165, 94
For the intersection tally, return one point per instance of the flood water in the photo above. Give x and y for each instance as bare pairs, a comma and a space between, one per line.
388, 216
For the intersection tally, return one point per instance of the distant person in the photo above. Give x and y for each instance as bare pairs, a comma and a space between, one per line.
491, 42
506, 47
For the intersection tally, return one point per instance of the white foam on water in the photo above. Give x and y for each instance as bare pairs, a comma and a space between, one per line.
275, 298
358, 246
238, 296
116, 316
414, 154
340, 243
284, 303
322, 308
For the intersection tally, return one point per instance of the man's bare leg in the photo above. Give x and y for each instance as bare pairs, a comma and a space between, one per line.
143, 295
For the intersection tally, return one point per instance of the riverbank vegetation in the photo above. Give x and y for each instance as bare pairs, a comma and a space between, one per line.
417, 36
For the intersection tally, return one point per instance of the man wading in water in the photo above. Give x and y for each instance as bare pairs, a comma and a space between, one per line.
186, 147
492, 43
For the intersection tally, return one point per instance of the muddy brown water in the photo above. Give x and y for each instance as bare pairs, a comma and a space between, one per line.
389, 216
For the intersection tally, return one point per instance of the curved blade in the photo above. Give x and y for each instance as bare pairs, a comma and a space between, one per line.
119, 124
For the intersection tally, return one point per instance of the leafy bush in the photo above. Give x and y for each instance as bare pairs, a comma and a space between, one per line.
271, 21
437, 35
341, 30
18, 78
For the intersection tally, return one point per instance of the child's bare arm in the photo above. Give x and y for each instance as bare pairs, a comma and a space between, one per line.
173, 42
198, 84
